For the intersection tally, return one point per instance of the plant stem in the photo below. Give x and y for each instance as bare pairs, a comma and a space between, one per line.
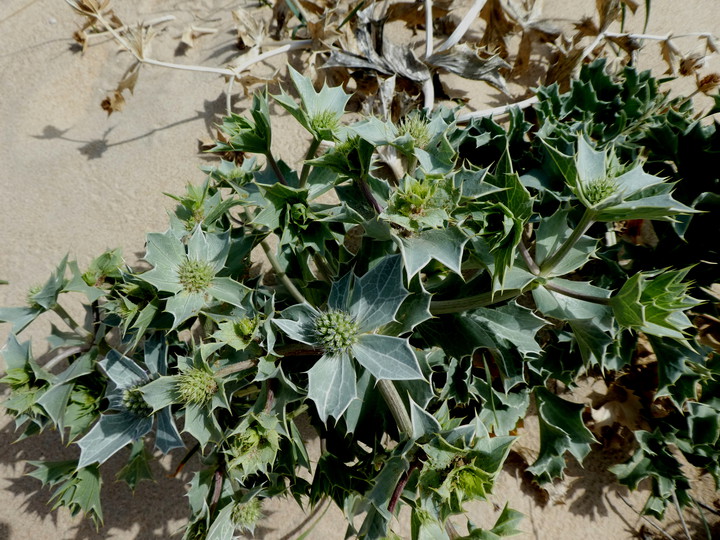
428, 88
314, 145
235, 368
401, 486
457, 305
573, 294
529, 261
276, 169
67, 319
72, 351
282, 276
365, 189
461, 28
524, 104
680, 514
587, 219
396, 406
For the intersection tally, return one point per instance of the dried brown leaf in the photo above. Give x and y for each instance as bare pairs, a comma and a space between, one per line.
708, 83
711, 45
632, 5
619, 407
586, 28
708, 330
562, 66
691, 63
533, 32
670, 54
626, 43
250, 31
412, 14
129, 80
114, 102
499, 26
609, 11
466, 62
192, 33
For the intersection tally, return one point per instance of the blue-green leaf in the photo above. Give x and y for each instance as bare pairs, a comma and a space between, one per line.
387, 357
332, 385
561, 430
109, 435
443, 245
377, 295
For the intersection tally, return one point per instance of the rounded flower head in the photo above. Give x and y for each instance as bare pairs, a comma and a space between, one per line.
417, 127
325, 120
133, 401
336, 330
600, 189
197, 386
246, 515
195, 276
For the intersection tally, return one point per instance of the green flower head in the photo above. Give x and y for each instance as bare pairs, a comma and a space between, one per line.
246, 515
416, 126
196, 385
190, 272
318, 112
345, 331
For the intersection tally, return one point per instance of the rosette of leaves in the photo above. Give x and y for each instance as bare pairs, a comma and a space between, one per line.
198, 389
345, 331
129, 417
319, 112
611, 191
191, 272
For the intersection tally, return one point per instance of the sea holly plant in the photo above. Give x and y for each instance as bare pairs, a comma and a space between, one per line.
413, 317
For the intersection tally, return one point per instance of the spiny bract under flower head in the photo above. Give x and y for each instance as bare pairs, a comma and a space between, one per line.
247, 514
195, 276
32, 292
600, 189
134, 402
336, 330
417, 127
324, 120
196, 386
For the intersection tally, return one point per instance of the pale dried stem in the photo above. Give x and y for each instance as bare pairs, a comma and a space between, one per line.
428, 88
463, 27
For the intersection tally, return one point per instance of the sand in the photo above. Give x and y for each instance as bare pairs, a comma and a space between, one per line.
73, 180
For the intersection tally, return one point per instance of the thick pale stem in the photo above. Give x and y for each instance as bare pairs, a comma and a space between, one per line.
428, 88
276, 169
551, 262
235, 368
458, 305
459, 32
72, 323
573, 294
314, 145
365, 189
282, 276
529, 261
67, 353
396, 406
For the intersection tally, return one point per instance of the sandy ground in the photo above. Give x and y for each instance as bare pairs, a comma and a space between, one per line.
74, 181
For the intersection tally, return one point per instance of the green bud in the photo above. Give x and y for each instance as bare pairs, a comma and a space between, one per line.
134, 402
324, 121
336, 330
600, 189
197, 386
246, 515
417, 127
195, 276
32, 292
